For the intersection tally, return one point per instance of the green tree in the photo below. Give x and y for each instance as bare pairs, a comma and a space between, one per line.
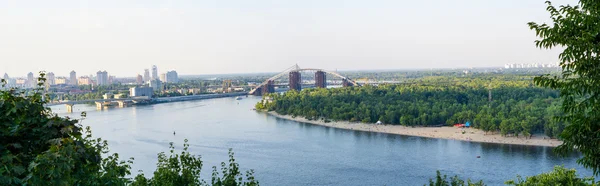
454, 181
558, 176
576, 29
37, 147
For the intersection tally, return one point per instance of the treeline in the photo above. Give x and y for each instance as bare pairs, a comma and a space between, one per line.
516, 107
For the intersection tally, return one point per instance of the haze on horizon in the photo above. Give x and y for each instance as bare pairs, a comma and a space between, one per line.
239, 36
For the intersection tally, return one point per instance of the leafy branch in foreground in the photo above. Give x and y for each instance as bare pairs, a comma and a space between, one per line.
558, 176
37, 147
576, 29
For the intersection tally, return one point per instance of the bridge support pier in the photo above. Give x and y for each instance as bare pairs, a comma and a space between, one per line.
122, 104
295, 80
346, 83
320, 79
69, 107
269, 87
99, 105
258, 91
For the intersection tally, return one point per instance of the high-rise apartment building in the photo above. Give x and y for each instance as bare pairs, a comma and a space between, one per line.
146, 75
102, 78
9, 82
156, 85
112, 79
85, 81
139, 80
163, 77
73, 78
30, 81
172, 77
154, 72
50, 79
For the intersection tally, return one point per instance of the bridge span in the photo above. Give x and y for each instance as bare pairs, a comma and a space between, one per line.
295, 80
122, 102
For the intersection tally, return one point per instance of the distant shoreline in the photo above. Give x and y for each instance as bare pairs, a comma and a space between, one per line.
452, 133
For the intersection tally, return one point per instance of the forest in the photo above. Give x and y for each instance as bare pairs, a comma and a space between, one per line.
508, 104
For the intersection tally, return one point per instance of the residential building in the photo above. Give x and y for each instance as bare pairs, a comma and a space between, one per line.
21, 82
85, 81
107, 96
156, 85
30, 81
154, 72
172, 77
50, 79
9, 82
139, 80
111, 79
60, 81
73, 78
146, 75
194, 91
102, 78
183, 91
163, 77
141, 91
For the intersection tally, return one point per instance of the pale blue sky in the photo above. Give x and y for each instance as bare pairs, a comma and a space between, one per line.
237, 36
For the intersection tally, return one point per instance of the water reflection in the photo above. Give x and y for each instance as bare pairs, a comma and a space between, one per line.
290, 153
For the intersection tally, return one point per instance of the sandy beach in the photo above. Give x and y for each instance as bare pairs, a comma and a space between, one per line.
453, 133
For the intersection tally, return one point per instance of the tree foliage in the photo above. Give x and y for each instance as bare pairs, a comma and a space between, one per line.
37, 147
454, 181
517, 106
576, 29
558, 176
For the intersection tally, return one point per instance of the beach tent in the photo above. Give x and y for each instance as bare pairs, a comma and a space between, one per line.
378, 122
468, 124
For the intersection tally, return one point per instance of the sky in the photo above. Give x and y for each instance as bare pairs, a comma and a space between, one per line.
124, 37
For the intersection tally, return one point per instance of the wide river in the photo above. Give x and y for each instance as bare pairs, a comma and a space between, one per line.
291, 153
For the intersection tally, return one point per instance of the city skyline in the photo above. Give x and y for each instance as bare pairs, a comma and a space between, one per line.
135, 73
265, 36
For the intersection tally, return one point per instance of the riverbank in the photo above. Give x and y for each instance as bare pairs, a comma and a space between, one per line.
471, 134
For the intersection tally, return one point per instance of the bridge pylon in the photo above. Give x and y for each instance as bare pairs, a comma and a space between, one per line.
320, 79
295, 80
69, 107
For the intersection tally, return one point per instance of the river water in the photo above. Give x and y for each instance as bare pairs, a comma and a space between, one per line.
290, 153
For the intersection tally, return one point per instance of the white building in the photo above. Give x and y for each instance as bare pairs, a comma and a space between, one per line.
155, 84
154, 72
141, 91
